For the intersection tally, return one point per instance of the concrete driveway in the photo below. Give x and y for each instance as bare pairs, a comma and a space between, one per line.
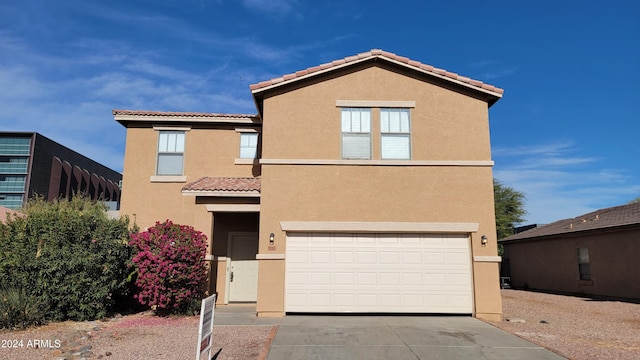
397, 337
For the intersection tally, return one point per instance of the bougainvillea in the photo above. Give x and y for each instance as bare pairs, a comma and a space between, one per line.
170, 265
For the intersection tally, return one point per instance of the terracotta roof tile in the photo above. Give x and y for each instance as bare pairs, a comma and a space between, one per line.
380, 53
230, 184
177, 113
622, 215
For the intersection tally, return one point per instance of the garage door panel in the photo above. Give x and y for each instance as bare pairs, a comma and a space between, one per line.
434, 258
343, 257
378, 273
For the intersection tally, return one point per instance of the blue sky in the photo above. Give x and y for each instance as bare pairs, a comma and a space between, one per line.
566, 132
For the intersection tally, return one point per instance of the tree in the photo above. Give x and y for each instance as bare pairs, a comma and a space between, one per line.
509, 207
636, 200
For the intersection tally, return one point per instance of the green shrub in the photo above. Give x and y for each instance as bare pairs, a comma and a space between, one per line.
68, 254
18, 310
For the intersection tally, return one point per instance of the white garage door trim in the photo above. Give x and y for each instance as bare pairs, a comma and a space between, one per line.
378, 272
379, 227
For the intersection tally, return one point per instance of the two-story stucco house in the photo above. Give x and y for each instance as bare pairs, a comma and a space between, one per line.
361, 185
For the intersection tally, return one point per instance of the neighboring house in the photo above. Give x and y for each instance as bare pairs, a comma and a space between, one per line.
362, 185
6, 214
592, 254
32, 164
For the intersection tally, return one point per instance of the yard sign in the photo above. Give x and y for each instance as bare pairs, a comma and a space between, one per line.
206, 328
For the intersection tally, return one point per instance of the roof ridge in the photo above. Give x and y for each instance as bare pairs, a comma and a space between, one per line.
379, 53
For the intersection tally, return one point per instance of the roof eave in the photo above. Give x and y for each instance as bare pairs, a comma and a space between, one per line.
221, 193
126, 119
622, 227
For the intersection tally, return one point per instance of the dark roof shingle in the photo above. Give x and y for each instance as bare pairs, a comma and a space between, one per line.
621, 215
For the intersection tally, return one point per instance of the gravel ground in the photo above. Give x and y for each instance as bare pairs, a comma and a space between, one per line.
139, 336
577, 328
574, 327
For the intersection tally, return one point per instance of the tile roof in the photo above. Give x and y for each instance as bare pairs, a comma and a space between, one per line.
177, 113
229, 184
5, 213
622, 215
377, 53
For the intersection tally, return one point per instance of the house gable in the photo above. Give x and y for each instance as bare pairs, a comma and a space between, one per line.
302, 119
492, 93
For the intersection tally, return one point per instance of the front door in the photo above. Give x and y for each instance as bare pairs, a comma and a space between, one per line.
243, 268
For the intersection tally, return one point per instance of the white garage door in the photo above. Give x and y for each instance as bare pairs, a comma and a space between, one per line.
386, 273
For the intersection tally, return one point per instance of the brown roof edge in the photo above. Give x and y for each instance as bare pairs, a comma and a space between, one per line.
142, 113
378, 53
616, 217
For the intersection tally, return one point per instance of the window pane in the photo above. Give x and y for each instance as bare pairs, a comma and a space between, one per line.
355, 121
179, 142
384, 120
365, 121
15, 146
171, 142
585, 271
14, 165
583, 256
404, 121
12, 201
248, 145
356, 146
162, 142
346, 120
394, 121
169, 164
396, 147
12, 183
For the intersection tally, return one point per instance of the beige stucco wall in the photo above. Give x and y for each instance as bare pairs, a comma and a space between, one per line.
208, 152
552, 265
305, 124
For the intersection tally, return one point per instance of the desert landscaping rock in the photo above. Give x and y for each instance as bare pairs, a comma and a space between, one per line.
139, 336
574, 327
516, 320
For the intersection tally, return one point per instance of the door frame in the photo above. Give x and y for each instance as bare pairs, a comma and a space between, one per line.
230, 236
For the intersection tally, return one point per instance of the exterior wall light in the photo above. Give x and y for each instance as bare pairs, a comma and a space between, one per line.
271, 238
483, 240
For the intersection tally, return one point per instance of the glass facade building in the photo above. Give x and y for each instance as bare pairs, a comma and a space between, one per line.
32, 164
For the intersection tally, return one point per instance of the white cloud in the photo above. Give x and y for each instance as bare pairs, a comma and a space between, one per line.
558, 184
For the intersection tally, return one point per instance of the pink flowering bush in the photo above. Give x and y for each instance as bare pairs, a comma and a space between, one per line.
170, 265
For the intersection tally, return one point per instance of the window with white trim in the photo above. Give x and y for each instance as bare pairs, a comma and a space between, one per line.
356, 133
170, 153
395, 134
248, 145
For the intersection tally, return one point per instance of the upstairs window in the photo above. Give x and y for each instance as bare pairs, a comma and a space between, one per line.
356, 133
584, 266
248, 145
170, 153
395, 134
